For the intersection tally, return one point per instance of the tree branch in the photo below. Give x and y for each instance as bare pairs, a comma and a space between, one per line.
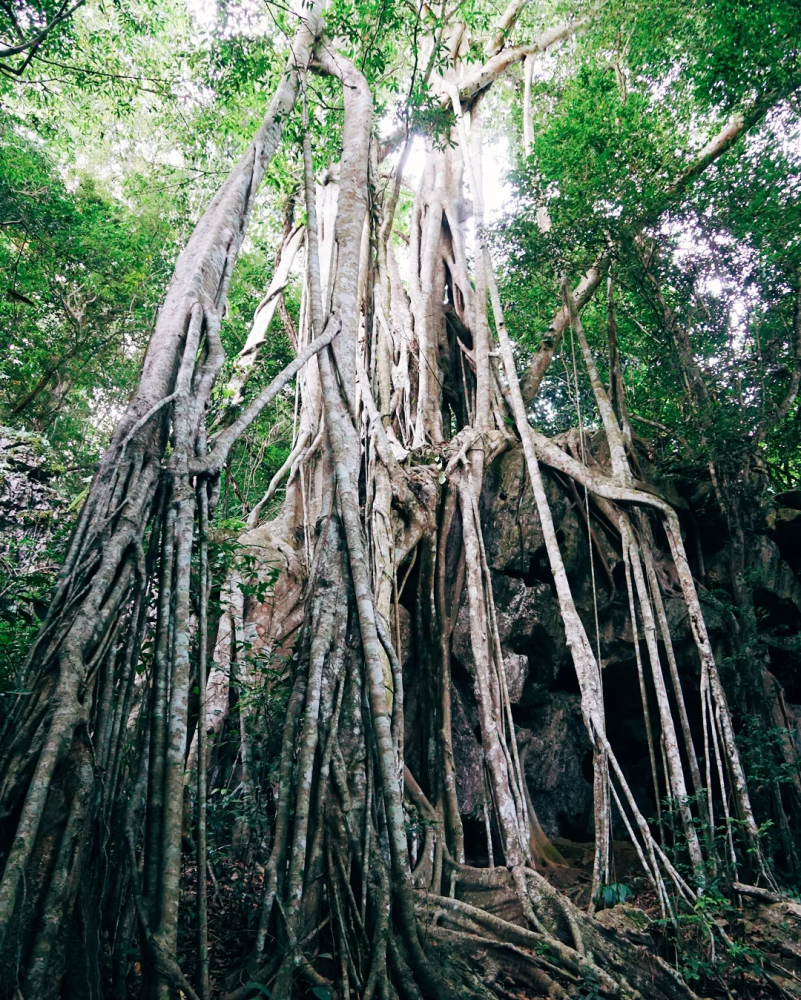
780, 412
38, 38
723, 140
225, 440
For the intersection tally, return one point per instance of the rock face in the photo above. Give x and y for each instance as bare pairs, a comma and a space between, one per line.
558, 767
542, 686
540, 674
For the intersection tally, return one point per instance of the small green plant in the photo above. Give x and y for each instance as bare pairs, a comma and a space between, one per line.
610, 895
589, 987
762, 753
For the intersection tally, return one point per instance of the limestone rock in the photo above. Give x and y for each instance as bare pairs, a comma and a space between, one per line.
554, 766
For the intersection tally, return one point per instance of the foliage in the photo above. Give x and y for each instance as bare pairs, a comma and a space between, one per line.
761, 750
82, 276
702, 958
34, 522
612, 894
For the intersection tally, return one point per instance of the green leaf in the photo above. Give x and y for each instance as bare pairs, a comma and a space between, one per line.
260, 987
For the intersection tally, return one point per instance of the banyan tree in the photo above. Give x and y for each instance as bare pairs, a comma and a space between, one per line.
373, 579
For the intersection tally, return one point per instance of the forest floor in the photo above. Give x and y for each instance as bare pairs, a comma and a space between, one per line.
769, 934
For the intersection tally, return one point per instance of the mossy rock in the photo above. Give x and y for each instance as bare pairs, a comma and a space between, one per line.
627, 920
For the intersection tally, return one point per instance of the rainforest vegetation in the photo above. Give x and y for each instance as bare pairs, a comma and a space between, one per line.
400, 499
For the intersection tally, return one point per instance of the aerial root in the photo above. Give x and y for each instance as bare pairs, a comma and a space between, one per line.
465, 915
550, 935
530, 966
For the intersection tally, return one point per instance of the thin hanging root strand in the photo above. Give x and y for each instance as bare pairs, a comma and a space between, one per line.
659, 608
641, 677
678, 787
506, 804
508, 737
721, 708
651, 869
